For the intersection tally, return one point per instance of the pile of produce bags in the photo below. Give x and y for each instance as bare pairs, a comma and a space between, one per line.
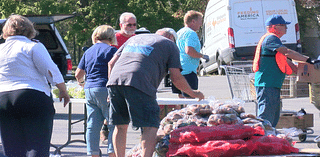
226, 140
218, 129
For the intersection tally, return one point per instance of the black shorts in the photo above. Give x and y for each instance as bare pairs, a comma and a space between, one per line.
192, 79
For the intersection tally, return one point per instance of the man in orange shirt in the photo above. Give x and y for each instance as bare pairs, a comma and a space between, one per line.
128, 26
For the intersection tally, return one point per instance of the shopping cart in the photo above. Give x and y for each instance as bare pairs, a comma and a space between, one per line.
241, 80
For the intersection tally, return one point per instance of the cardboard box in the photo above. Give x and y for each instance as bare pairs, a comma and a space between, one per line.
308, 120
307, 73
289, 121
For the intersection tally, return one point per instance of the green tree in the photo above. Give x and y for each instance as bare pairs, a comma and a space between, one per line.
151, 14
308, 16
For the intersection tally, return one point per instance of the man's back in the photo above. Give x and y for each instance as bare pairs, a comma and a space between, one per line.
144, 61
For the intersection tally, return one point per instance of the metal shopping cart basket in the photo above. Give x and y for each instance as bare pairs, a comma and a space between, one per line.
241, 80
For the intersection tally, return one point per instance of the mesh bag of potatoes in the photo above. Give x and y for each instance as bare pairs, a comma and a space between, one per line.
212, 114
215, 113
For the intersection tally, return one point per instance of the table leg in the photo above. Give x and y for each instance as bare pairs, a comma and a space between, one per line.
70, 133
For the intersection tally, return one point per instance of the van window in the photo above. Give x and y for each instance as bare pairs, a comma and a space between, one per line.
249, 14
47, 39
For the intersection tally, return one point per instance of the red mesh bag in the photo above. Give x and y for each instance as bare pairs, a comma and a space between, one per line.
217, 148
194, 134
270, 145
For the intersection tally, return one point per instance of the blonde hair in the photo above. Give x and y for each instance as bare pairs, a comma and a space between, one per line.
104, 32
192, 15
18, 25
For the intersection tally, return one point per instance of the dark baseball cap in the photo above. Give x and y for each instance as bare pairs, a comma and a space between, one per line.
276, 19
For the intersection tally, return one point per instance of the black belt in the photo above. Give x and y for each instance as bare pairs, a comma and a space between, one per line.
268, 55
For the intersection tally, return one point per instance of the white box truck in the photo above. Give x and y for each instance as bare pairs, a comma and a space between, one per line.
232, 29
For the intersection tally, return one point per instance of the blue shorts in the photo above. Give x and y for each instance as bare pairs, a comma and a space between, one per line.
192, 80
128, 103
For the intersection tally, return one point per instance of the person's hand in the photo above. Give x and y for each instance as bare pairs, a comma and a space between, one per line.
206, 57
198, 94
63, 93
65, 96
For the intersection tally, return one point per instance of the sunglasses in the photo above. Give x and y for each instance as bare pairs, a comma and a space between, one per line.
131, 24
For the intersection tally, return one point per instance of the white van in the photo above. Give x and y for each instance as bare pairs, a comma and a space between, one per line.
232, 29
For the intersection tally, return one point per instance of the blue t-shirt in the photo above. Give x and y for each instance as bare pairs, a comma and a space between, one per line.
95, 63
188, 37
269, 74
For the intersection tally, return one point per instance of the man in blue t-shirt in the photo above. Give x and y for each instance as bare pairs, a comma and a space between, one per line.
189, 47
269, 77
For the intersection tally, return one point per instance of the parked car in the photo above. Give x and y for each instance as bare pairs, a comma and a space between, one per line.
50, 37
232, 29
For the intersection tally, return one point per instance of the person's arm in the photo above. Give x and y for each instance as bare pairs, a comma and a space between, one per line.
181, 83
79, 75
45, 65
112, 62
292, 54
192, 52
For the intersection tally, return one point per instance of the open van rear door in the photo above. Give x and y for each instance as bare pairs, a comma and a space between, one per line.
48, 19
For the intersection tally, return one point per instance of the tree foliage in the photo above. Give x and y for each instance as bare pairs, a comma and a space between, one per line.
308, 14
151, 14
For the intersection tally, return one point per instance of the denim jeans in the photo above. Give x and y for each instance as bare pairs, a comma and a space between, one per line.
97, 111
269, 104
